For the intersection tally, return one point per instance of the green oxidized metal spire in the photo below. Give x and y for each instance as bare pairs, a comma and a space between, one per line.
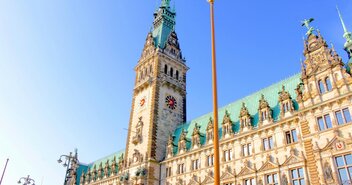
164, 23
347, 35
165, 3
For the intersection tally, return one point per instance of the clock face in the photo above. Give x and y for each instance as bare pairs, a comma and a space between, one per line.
171, 102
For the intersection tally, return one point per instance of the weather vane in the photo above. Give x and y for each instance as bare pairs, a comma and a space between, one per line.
306, 23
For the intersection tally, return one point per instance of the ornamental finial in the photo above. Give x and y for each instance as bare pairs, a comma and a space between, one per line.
165, 3
306, 23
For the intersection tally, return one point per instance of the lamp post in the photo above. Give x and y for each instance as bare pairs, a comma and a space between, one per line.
71, 162
26, 181
215, 98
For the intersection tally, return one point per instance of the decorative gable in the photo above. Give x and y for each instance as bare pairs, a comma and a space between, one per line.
264, 110
170, 146
183, 141
196, 136
268, 165
210, 130
245, 117
149, 47
209, 179
285, 100
227, 125
337, 143
246, 170
226, 174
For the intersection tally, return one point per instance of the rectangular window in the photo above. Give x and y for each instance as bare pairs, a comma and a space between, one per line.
228, 155
343, 116
249, 182
181, 168
210, 160
344, 168
195, 164
168, 171
291, 136
272, 179
347, 115
297, 176
247, 149
268, 143
324, 122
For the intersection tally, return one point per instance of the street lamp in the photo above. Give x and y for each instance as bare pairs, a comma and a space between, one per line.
71, 163
26, 181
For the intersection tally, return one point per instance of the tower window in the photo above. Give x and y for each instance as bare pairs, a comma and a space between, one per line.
165, 69
171, 72
328, 84
150, 69
321, 87
176, 75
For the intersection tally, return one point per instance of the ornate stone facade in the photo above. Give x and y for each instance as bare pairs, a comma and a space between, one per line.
297, 131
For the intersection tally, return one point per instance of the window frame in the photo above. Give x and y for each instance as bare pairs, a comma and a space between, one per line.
346, 167
272, 175
270, 143
343, 113
248, 148
299, 177
325, 123
291, 136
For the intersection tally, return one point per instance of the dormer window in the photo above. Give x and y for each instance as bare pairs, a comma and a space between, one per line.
264, 110
285, 100
170, 146
196, 136
210, 131
226, 124
182, 142
245, 118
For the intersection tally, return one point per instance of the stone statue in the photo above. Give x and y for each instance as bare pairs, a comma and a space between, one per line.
284, 180
305, 23
328, 172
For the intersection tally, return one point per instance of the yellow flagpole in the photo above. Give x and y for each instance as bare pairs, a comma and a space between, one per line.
215, 99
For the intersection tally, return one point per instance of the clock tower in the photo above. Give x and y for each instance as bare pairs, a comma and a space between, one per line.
159, 99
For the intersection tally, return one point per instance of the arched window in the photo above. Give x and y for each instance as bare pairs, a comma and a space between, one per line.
165, 69
321, 87
171, 72
176, 75
150, 69
328, 84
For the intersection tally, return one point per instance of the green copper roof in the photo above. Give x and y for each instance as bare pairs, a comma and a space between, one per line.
89, 167
252, 103
164, 24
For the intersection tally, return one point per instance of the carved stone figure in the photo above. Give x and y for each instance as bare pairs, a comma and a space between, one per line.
284, 180
328, 172
196, 135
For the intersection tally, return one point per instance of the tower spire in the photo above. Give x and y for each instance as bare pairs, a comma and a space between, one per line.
347, 35
165, 3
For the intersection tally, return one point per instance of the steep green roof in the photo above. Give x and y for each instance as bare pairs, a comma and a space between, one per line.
164, 24
89, 167
252, 103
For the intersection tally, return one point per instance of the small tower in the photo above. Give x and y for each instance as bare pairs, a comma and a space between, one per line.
323, 73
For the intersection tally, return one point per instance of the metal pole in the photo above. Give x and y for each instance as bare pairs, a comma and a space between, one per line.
3, 173
215, 98
67, 169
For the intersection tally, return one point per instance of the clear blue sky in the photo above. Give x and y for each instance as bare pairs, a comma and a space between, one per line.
66, 67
